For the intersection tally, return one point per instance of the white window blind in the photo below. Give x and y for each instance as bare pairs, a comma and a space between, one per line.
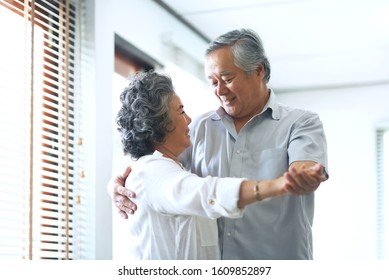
42, 215
383, 193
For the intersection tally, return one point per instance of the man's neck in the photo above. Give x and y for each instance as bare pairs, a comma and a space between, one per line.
241, 122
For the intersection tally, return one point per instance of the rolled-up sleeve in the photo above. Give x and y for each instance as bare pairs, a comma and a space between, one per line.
307, 141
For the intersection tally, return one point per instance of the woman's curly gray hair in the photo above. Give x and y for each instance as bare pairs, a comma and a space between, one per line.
143, 119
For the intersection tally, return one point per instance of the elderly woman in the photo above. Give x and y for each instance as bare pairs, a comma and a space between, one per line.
177, 209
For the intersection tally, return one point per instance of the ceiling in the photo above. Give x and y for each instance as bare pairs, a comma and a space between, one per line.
293, 26
297, 29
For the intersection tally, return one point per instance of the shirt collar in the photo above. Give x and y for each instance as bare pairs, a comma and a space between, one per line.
273, 105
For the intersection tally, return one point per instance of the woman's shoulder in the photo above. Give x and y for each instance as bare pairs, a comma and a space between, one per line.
155, 163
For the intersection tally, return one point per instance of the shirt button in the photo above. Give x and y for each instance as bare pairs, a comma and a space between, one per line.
228, 234
211, 201
238, 152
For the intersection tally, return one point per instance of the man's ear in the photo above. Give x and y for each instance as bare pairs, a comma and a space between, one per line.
260, 70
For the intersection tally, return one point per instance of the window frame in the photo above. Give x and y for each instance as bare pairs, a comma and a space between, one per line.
382, 168
55, 187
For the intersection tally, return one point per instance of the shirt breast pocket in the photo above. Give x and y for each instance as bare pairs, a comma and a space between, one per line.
270, 163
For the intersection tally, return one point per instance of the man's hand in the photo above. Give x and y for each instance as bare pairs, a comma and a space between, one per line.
304, 177
122, 197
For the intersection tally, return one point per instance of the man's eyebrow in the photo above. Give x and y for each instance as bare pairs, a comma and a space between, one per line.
180, 107
223, 73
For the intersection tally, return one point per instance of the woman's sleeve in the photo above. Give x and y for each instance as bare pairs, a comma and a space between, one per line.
172, 190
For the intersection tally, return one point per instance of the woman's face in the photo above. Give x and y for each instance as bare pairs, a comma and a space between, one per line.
178, 139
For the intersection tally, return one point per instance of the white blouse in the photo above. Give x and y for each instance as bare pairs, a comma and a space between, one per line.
177, 211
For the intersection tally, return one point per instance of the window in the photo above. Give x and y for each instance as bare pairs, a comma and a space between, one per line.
41, 144
383, 193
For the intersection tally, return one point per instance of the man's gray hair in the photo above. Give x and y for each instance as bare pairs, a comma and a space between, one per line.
247, 50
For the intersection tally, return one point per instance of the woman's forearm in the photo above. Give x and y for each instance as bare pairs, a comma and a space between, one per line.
254, 191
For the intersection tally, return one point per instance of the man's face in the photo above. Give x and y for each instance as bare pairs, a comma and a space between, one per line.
239, 94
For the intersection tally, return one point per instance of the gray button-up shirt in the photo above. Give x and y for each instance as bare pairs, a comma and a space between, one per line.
276, 228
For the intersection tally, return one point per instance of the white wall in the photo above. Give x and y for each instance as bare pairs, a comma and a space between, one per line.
350, 91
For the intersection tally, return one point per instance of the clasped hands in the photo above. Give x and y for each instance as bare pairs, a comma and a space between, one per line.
304, 177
